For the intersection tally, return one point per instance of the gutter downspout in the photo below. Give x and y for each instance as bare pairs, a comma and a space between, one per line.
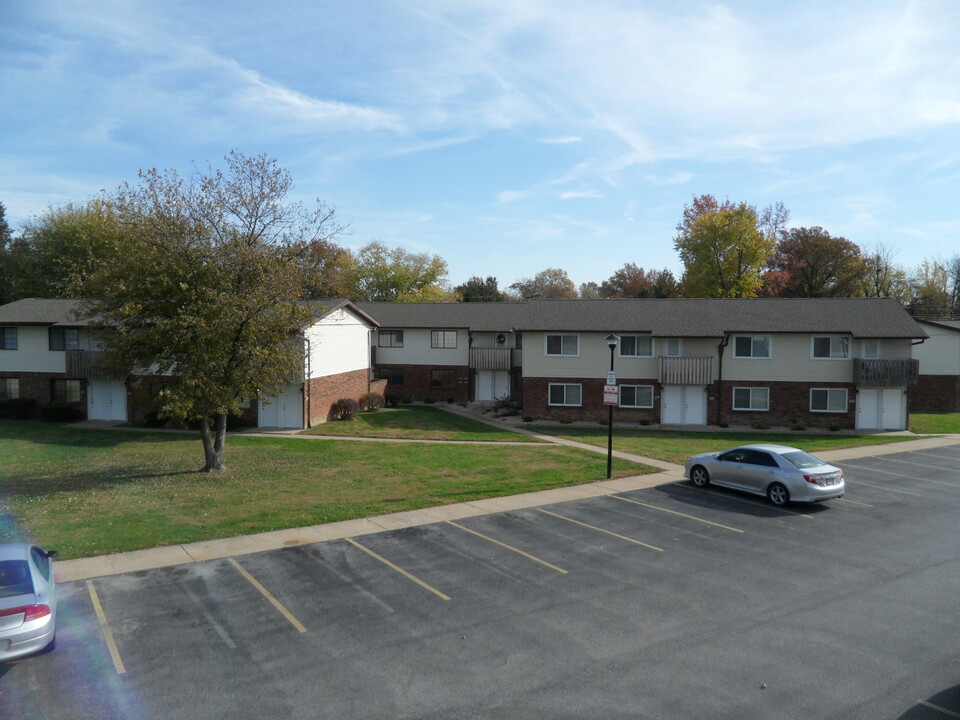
306, 382
720, 348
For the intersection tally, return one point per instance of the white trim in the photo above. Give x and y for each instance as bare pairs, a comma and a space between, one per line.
546, 344
846, 400
831, 338
751, 408
665, 343
768, 356
564, 403
644, 407
620, 352
871, 356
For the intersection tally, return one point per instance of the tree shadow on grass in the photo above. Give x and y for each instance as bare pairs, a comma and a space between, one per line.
26, 488
67, 436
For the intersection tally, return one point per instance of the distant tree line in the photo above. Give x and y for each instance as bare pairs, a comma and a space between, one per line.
726, 249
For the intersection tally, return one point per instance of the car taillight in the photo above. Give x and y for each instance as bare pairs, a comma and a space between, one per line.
812, 479
30, 612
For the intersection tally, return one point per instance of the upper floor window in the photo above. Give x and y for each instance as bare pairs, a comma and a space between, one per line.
563, 345
751, 346
518, 340
871, 349
835, 347
64, 338
672, 347
390, 338
443, 338
8, 338
636, 346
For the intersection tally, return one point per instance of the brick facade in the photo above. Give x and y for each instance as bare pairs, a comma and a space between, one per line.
536, 401
789, 404
38, 387
418, 383
323, 393
935, 393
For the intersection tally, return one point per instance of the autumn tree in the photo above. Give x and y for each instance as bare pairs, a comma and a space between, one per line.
204, 289
883, 277
552, 283
953, 268
328, 269
476, 289
59, 250
632, 281
930, 291
808, 262
589, 291
382, 274
724, 247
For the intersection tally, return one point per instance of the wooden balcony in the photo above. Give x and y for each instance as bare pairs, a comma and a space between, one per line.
885, 373
686, 370
90, 365
490, 358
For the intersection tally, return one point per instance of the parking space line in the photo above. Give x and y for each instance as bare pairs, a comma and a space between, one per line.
883, 487
266, 593
399, 569
854, 502
943, 710
105, 629
508, 547
747, 500
913, 477
674, 512
206, 614
599, 529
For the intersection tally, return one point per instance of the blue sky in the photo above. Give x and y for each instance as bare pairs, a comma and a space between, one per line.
511, 136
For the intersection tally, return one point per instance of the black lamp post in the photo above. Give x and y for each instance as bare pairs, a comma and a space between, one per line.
612, 344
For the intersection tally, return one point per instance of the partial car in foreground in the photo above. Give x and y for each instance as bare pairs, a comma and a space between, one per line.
28, 600
779, 472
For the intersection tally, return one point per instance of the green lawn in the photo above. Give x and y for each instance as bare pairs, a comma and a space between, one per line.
677, 446
935, 423
418, 422
89, 492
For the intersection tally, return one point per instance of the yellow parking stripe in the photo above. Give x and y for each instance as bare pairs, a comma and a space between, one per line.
674, 512
854, 502
400, 570
266, 593
508, 547
105, 629
747, 500
943, 710
912, 477
599, 529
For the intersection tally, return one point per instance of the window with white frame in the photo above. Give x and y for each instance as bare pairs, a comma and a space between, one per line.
751, 398
871, 349
564, 394
830, 347
9, 388
8, 338
64, 338
751, 346
390, 338
443, 339
563, 345
828, 399
636, 396
636, 346
672, 347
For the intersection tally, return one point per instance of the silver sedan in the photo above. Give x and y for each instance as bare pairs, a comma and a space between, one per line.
28, 600
779, 472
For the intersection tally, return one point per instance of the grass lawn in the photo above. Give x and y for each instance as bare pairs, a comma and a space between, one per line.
88, 492
418, 422
933, 423
677, 446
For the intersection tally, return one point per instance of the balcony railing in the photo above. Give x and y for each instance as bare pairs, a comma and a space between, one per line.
686, 370
90, 365
490, 358
885, 373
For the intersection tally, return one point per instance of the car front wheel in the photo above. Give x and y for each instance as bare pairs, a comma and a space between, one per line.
699, 476
778, 494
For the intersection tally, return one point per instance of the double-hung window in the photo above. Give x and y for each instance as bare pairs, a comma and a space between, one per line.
443, 339
9, 388
870, 349
830, 347
563, 345
65, 390
828, 399
564, 394
390, 338
8, 338
636, 396
636, 346
64, 338
751, 346
751, 398
673, 347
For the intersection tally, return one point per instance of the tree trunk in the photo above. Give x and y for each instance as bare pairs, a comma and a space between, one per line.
213, 443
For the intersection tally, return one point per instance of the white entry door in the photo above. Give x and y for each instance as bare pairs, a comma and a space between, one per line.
107, 400
881, 409
283, 411
492, 384
683, 405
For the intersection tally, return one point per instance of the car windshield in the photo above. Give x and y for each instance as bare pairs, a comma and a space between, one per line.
15, 578
801, 459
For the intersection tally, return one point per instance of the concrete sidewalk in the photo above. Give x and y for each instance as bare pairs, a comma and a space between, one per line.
85, 568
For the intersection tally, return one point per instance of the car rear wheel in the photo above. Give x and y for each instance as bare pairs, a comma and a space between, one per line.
699, 476
778, 494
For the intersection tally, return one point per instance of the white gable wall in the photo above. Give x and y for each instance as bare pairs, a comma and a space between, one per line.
337, 344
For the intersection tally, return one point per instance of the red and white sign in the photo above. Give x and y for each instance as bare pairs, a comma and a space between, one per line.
610, 395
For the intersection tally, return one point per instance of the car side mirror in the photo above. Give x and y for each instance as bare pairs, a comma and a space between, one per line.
52, 554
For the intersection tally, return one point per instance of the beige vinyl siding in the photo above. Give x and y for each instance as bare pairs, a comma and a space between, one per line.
593, 360
338, 343
790, 360
416, 349
938, 355
33, 353
893, 349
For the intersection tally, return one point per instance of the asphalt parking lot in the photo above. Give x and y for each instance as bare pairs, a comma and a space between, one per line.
667, 602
